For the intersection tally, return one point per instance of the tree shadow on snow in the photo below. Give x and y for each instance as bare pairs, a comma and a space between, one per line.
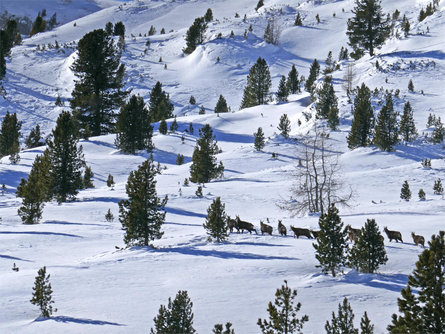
85, 321
8, 257
43, 233
182, 212
395, 282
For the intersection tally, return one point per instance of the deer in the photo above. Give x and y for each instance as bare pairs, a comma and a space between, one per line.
301, 231
353, 233
315, 233
243, 225
266, 228
396, 235
418, 239
231, 224
282, 229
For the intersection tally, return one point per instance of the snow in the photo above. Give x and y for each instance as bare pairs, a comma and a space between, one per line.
101, 289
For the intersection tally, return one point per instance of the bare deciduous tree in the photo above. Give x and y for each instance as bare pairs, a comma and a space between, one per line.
273, 31
318, 182
349, 79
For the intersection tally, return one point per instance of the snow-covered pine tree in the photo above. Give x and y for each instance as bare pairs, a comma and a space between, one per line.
174, 126
368, 253
411, 85
363, 121
405, 192
327, 103
293, 83
422, 195
88, 178
143, 213
367, 29
66, 159
208, 15
298, 20
258, 85
163, 127
176, 317
42, 295
284, 126
221, 105
343, 322
438, 188
109, 217
331, 246
160, 106
219, 329
110, 181
282, 92
407, 126
119, 29
423, 311
259, 139
204, 167
98, 91
283, 313
313, 74
259, 4
366, 327
386, 129
195, 35
216, 221
9, 137
133, 129
34, 138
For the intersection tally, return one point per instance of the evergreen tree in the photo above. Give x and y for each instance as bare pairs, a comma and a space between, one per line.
221, 105
259, 4
192, 100
163, 128
438, 188
195, 35
368, 29
405, 193
283, 313
100, 79
438, 132
363, 121
160, 106
331, 243
66, 159
38, 26
42, 295
344, 322
34, 192
422, 195
204, 167
9, 137
109, 28
4, 52
216, 221
133, 129
88, 178
109, 216
179, 159
368, 253
293, 83
329, 64
284, 126
176, 317
110, 181
174, 126
219, 329
298, 20
313, 74
365, 325
259, 139
424, 312
119, 29
152, 30
208, 15
386, 131
283, 91
258, 85
327, 103
407, 126
410, 85
143, 213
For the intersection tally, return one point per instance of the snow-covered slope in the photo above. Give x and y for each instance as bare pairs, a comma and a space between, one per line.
99, 289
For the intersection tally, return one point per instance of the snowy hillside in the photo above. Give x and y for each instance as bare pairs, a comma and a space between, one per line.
101, 289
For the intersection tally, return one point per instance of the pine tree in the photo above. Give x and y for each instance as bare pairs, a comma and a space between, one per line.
9, 137
368, 253
199, 191
298, 20
204, 167
163, 128
110, 181
143, 213
133, 129
368, 29
258, 85
152, 30
386, 130
38, 26
100, 80
327, 103
88, 178
365, 325
344, 322
313, 74
283, 313
109, 28
405, 193
331, 243
363, 121
216, 221
208, 15
180, 159
34, 192
283, 91
422, 195
174, 126
410, 85
221, 105
195, 35
259, 4
160, 106
293, 83
259, 139
438, 188
176, 317
192, 100
438, 133
219, 329
109, 216
424, 312
66, 159
329, 64
284, 126
119, 29
407, 126
42, 295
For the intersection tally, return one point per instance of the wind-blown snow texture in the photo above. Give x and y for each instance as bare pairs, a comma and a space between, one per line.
99, 289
